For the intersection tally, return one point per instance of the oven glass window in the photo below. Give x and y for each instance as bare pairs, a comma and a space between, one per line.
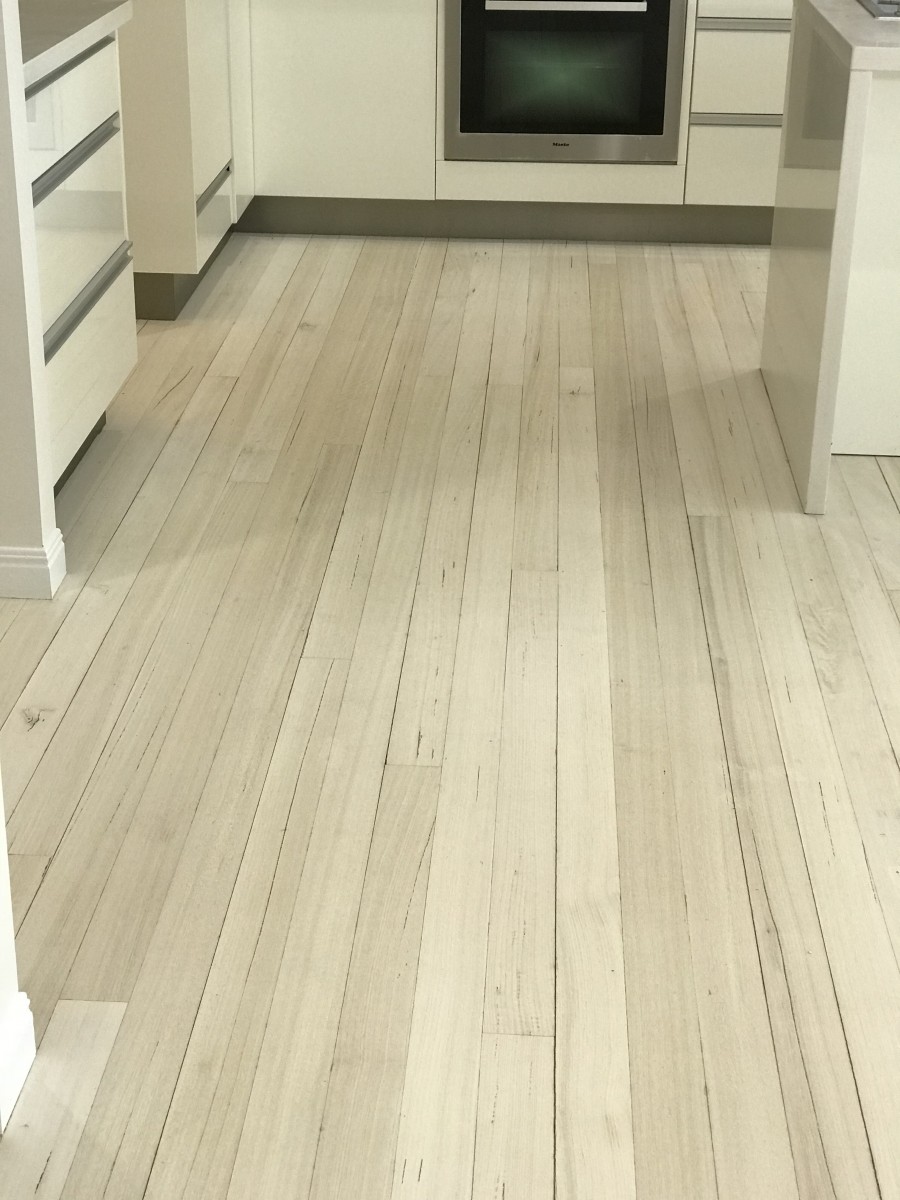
539, 82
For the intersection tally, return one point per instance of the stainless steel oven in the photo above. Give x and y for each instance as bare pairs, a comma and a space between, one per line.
564, 80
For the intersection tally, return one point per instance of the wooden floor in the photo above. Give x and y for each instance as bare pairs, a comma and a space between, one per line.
453, 767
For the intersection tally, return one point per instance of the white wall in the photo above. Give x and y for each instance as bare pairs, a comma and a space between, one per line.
32, 560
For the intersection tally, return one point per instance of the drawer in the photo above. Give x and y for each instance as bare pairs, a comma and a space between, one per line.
63, 109
729, 164
78, 226
214, 215
89, 369
754, 10
740, 71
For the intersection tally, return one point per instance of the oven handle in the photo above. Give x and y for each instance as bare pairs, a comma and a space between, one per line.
566, 5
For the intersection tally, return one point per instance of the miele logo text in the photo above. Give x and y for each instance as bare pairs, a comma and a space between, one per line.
561, 143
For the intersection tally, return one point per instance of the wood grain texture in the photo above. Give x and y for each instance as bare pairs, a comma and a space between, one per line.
435, 1146
514, 1138
451, 739
355, 1155
520, 986
420, 719
39, 1143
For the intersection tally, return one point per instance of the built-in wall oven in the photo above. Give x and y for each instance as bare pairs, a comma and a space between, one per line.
564, 80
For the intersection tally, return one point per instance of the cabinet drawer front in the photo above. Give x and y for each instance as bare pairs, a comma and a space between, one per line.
740, 71
214, 219
754, 10
79, 226
732, 164
89, 368
63, 113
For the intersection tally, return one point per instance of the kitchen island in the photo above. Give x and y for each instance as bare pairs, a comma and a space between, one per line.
831, 355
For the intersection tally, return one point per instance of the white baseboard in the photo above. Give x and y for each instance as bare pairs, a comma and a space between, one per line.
32, 573
17, 1052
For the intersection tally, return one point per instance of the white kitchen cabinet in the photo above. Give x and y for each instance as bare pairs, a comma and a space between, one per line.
740, 70
732, 164
344, 97
188, 130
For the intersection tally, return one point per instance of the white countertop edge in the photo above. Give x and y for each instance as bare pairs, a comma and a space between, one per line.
73, 45
864, 42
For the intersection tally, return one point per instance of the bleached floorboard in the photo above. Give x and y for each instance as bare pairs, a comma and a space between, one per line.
477, 776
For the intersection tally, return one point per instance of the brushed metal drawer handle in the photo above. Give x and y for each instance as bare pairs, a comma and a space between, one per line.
740, 120
66, 324
745, 24
566, 6
57, 175
41, 85
207, 194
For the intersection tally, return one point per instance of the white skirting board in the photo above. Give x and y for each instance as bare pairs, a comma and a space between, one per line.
17, 1052
32, 573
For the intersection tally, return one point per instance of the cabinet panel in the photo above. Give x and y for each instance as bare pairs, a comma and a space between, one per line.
62, 114
779, 10
344, 97
79, 226
241, 103
732, 165
85, 374
214, 221
208, 67
740, 71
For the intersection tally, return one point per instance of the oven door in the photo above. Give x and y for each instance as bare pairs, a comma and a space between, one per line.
564, 80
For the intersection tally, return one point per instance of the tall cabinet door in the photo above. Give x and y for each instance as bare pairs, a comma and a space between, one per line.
208, 65
344, 97
241, 103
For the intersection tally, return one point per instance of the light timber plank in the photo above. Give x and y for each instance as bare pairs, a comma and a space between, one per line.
39, 1143
294, 538
580, 544
576, 342
594, 1152
828, 1135
743, 1091
26, 873
863, 744
594, 1139
9, 610
672, 1142
52, 930
435, 1148
87, 724
514, 1141
878, 514
130, 1115
537, 485
302, 1029
716, 294
865, 973
244, 335
28, 731
697, 461
750, 265
432, 292
339, 354
174, 367
96, 497
355, 1155
308, 321
520, 983
420, 719
203, 1125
